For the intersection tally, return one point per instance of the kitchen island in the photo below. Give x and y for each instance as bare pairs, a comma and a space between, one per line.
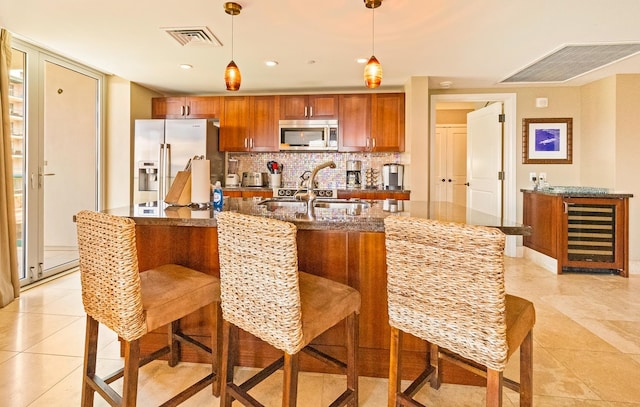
345, 248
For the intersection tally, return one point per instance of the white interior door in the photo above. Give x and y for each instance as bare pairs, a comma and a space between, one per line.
449, 171
484, 160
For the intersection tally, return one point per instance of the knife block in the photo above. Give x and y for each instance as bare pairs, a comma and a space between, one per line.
180, 190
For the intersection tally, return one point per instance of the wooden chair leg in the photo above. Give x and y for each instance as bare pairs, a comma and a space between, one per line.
494, 388
174, 344
290, 382
90, 356
131, 367
526, 371
395, 366
228, 357
436, 363
216, 348
353, 322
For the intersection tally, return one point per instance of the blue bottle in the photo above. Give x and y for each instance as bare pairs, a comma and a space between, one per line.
217, 197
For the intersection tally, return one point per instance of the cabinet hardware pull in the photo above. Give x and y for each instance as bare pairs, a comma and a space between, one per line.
311, 111
188, 110
181, 110
305, 111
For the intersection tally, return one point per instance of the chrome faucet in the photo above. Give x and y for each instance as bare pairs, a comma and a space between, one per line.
310, 196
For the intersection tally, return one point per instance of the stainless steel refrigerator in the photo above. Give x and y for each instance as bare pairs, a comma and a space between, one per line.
164, 147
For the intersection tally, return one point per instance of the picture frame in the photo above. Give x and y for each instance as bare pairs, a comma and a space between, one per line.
547, 141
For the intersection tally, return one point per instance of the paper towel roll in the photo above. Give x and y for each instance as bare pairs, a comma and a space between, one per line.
200, 182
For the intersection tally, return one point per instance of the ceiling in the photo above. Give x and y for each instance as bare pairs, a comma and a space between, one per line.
472, 44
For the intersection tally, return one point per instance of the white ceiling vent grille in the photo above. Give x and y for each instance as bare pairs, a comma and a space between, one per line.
572, 61
193, 36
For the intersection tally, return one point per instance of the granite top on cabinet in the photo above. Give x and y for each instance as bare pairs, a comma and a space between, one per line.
370, 219
579, 192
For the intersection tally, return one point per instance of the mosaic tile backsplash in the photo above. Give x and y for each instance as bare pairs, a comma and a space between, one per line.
294, 164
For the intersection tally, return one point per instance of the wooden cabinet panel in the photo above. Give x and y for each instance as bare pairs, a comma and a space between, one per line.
249, 123
542, 213
355, 122
304, 107
387, 122
187, 107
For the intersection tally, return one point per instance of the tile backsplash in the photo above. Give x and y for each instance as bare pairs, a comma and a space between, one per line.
294, 164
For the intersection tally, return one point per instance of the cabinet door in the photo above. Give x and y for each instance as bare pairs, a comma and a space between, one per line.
323, 107
264, 123
203, 107
354, 122
294, 107
387, 122
542, 213
234, 124
190, 107
168, 108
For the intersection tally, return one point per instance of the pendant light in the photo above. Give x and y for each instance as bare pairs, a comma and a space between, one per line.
232, 75
373, 69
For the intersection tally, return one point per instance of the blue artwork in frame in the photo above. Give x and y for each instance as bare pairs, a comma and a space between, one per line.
547, 141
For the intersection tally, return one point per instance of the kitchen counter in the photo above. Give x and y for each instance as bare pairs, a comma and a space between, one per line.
370, 219
344, 248
579, 192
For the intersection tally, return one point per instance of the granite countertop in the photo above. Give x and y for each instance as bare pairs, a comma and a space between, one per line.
339, 189
579, 192
369, 220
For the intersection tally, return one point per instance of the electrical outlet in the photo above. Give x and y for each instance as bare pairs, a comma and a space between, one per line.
543, 176
532, 176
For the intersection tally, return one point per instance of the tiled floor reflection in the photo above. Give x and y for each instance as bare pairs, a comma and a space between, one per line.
586, 352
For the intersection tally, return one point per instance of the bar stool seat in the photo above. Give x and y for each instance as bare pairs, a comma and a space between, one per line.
264, 294
132, 303
446, 286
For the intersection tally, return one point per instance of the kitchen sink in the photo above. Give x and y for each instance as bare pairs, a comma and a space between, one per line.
351, 206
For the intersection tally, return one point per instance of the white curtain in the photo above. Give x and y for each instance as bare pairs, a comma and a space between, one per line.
9, 279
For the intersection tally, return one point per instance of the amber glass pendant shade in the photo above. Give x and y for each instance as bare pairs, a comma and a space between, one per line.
232, 76
373, 73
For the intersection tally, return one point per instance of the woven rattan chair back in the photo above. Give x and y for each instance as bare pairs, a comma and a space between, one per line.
111, 292
446, 286
259, 278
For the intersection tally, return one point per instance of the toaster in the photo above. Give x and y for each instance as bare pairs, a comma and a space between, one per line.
255, 179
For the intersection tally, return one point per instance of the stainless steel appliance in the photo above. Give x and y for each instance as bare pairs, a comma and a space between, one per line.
255, 179
354, 175
308, 135
392, 176
233, 179
164, 147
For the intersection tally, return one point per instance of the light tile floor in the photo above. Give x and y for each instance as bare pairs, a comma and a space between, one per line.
586, 350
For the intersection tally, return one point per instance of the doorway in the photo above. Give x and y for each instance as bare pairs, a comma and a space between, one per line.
58, 167
509, 147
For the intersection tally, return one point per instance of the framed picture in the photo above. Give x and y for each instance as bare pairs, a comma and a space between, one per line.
547, 141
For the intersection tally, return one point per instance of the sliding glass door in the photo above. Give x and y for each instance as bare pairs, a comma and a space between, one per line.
58, 175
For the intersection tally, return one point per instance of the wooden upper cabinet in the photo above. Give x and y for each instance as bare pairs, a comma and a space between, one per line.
186, 107
355, 122
305, 107
249, 123
372, 122
387, 122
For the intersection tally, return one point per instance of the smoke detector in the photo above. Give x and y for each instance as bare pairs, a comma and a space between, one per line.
193, 36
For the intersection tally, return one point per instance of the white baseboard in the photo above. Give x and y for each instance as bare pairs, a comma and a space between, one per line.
542, 260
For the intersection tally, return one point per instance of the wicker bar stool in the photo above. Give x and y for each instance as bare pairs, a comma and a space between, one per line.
132, 303
263, 293
445, 284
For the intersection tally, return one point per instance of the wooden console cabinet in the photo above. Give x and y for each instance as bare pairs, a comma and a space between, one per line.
582, 232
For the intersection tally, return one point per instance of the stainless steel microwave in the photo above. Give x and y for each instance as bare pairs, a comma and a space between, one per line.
308, 135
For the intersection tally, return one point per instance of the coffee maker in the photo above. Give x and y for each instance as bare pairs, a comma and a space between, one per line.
354, 180
392, 176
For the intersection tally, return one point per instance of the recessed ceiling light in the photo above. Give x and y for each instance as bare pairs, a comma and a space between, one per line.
362, 60
186, 66
271, 63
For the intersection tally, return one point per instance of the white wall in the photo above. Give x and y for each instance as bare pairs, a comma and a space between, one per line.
416, 155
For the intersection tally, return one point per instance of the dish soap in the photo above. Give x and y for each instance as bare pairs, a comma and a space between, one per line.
217, 197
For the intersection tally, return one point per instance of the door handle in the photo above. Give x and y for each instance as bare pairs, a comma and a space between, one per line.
450, 180
466, 183
443, 180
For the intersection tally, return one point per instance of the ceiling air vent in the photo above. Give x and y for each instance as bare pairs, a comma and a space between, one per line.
193, 36
572, 61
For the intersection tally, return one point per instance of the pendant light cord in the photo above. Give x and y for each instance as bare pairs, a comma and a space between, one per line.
232, 37
373, 30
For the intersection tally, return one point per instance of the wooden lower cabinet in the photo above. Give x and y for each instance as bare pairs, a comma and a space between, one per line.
354, 258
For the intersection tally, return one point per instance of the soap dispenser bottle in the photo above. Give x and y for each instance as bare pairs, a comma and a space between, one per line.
217, 197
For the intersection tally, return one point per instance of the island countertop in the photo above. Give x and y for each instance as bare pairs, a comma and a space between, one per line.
370, 219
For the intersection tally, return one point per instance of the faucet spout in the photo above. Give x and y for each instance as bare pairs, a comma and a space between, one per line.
310, 195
